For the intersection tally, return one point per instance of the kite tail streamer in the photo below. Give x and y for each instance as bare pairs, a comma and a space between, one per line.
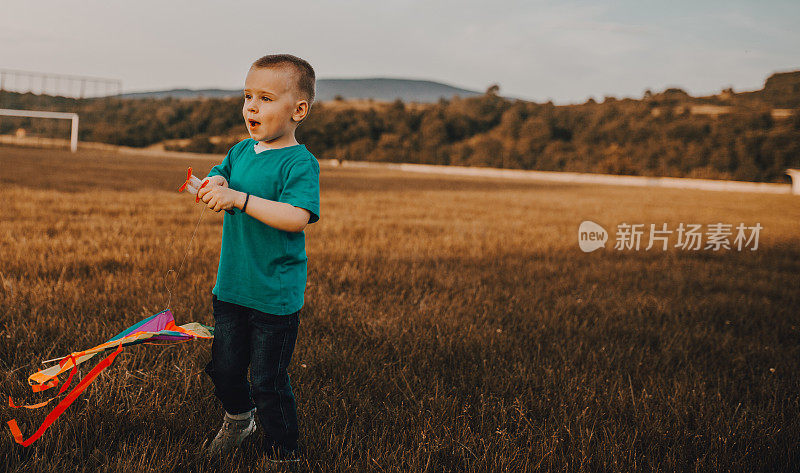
65, 403
60, 391
44, 386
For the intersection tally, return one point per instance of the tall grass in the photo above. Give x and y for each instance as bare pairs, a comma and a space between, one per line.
451, 324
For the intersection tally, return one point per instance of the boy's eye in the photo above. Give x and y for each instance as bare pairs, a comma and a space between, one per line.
247, 96
265, 98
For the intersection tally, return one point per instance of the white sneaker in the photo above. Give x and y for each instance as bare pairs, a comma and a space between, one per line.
232, 433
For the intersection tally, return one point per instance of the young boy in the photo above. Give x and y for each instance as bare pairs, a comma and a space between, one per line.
271, 183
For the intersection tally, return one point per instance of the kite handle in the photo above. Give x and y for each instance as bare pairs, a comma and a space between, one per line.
193, 184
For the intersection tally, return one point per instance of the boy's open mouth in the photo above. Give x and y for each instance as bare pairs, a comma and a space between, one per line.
253, 123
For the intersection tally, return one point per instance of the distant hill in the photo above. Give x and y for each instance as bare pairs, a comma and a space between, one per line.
782, 89
382, 89
389, 89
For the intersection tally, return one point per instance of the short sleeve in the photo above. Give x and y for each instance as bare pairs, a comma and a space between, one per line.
224, 168
302, 187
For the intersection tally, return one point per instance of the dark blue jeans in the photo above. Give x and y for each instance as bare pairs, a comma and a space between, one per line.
245, 336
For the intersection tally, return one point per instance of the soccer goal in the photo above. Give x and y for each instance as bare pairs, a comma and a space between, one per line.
73, 139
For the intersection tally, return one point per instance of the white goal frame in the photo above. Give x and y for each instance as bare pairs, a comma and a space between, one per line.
73, 139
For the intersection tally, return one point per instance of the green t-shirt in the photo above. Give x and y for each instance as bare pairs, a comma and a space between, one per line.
262, 267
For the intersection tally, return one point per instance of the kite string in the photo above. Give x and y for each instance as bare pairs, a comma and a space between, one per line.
185, 255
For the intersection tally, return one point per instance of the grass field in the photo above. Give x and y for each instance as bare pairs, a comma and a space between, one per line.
451, 324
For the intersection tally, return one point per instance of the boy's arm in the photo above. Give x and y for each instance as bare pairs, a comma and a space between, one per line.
278, 215
297, 206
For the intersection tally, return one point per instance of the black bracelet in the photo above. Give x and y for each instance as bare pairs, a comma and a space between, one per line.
245, 201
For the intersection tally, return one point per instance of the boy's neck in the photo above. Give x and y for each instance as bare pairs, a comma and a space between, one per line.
282, 142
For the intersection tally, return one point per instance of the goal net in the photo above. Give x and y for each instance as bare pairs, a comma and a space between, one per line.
38, 108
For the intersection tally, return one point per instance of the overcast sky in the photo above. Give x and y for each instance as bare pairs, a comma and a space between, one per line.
565, 51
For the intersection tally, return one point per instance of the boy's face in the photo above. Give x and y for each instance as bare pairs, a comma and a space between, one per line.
272, 108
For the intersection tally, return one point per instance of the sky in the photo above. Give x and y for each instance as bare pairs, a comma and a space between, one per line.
565, 51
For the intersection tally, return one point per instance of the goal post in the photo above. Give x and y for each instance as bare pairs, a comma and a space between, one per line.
73, 139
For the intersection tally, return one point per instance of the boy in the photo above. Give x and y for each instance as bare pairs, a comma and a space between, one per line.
272, 184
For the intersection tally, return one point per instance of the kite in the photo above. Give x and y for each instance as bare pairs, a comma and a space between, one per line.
160, 326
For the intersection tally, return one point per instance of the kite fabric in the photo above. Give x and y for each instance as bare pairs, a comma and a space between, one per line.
160, 326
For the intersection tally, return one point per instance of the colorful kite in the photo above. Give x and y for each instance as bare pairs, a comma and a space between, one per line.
160, 326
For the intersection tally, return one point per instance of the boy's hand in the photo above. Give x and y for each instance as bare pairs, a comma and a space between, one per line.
219, 197
209, 182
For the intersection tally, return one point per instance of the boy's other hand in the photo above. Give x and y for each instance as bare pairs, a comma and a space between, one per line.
218, 197
209, 183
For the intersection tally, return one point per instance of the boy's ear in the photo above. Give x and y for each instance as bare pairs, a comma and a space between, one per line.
301, 108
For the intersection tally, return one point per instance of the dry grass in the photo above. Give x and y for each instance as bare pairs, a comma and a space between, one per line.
450, 324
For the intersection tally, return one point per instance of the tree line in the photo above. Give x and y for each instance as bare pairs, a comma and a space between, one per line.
658, 135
